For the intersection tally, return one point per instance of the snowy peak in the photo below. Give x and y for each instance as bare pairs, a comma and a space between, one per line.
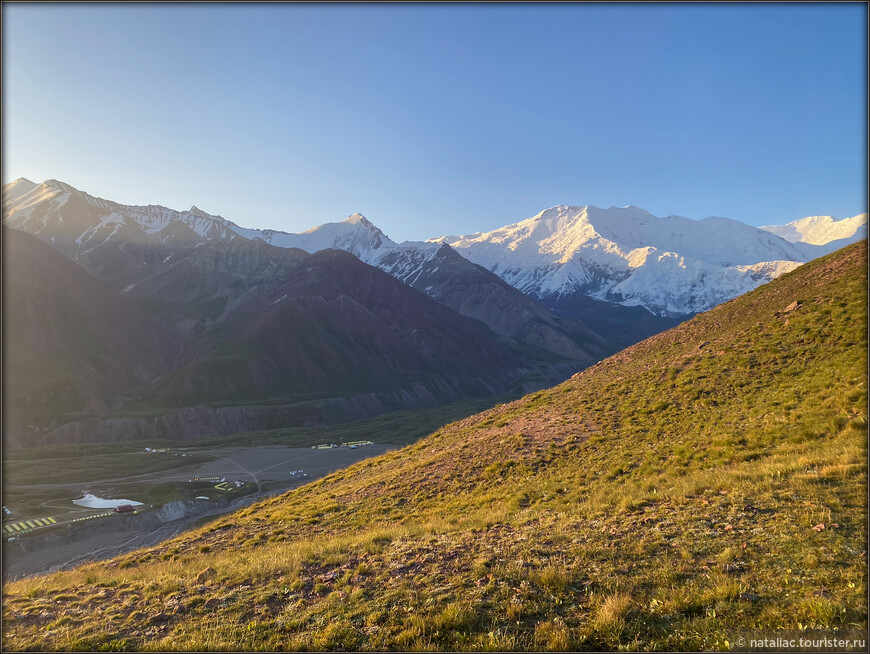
22, 196
355, 235
63, 187
196, 211
16, 188
78, 223
626, 255
821, 230
559, 233
358, 219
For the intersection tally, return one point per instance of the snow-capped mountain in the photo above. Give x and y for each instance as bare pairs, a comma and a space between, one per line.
78, 223
89, 221
825, 232
355, 235
623, 256
121, 244
628, 256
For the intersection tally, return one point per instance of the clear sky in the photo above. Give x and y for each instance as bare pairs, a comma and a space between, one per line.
442, 119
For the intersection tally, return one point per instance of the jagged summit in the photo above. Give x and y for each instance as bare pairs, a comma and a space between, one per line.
78, 223
626, 255
358, 219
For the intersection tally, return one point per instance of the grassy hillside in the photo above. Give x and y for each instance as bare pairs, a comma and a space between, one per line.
710, 478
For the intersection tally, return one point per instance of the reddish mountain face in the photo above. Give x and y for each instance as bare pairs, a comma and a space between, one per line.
315, 325
231, 323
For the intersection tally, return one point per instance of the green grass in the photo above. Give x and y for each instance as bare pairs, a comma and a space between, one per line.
658, 500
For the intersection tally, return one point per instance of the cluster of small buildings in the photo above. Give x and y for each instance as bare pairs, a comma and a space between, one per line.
351, 444
153, 450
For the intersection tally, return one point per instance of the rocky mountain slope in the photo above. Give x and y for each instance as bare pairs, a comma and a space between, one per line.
263, 337
71, 344
291, 324
708, 479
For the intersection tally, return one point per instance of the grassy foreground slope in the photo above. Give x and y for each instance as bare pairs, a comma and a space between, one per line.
707, 479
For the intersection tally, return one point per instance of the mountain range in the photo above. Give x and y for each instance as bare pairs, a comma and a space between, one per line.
708, 480
671, 266
622, 255
266, 336
271, 327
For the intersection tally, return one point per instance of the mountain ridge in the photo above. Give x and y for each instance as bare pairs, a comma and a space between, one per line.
620, 255
84, 229
620, 271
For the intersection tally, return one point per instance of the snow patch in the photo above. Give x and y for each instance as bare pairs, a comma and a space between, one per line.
821, 230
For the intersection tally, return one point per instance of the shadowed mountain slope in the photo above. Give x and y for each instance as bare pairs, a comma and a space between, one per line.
473, 291
71, 344
267, 337
299, 325
710, 478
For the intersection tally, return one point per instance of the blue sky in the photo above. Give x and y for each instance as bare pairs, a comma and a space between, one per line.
442, 119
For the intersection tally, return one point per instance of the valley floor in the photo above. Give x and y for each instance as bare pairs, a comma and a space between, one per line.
80, 534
